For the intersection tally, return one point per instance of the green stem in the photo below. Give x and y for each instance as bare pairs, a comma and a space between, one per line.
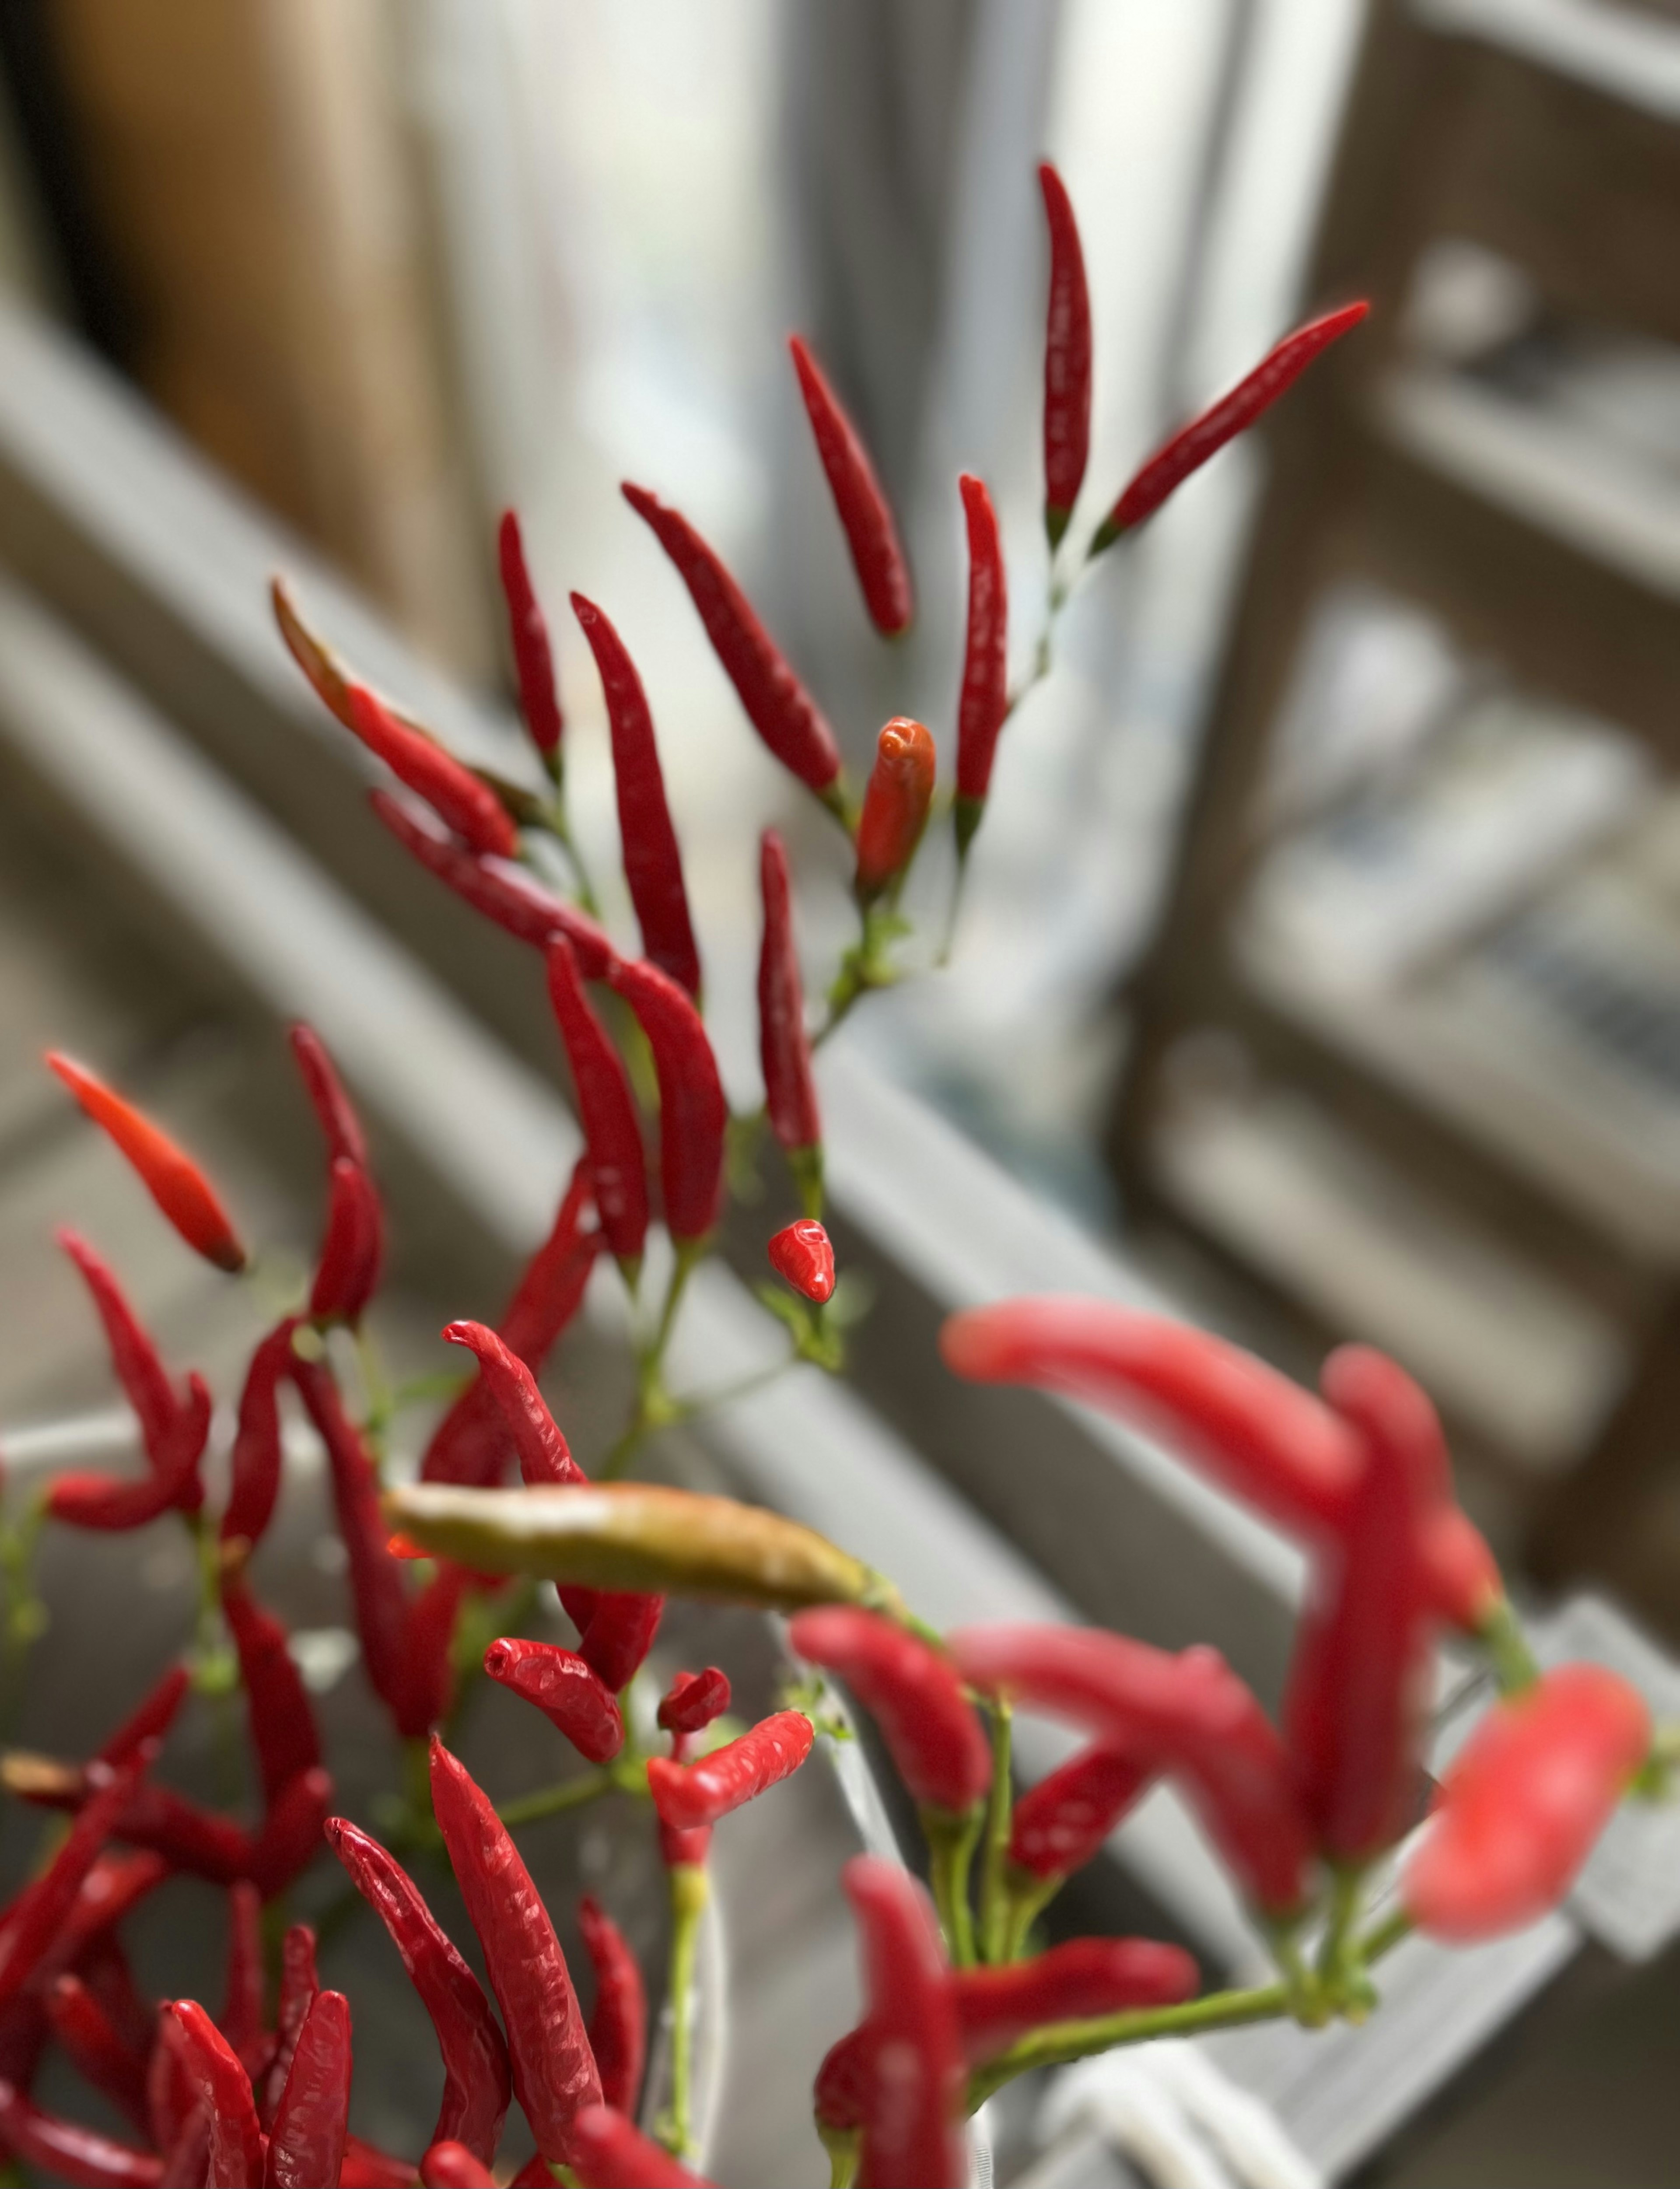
549, 1800
688, 1895
1059, 2042
376, 1393
1027, 1901
652, 1408
1383, 1937
1502, 1635
951, 1839
994, 1892
1341, 1963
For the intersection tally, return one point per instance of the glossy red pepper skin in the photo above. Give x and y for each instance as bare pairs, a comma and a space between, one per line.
983, 701
914, 2071
688, 1796
1067, 359
1057, 1826
503, 892
613, 2153
683, 1848
367, 2167
258, 1451
335, 1113
1523, 1804
298, 1985
174, 1181
801, 1254
619, 1635
311, 2120
693, 1700
320, 664
282, 1722
783, 1045
1191, 446
694, 1115
544, 1455
477, 2082
776, 704
68, 2152
112, 1503
133, 1354
533, 653
606, 1110
570, 1694
431, 1623
223, 2090
452, 2166
353, 1250
98, 2050
865, 515
471, 808
241, 2021
1189, 1715
554, 2071
912, 1691
291, 1836
653, 865
896, 802
617, 2021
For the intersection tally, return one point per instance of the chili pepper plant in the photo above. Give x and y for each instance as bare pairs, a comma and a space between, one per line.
962, 1993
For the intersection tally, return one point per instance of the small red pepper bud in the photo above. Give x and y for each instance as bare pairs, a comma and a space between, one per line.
693, 1700
912, 1693
618, 2026
862, 507
169, 1174
686, 1795
1067, 359
613, 2153
532, 654
803, 1254
347, 1277
896, 802
606, 1110
783, 1045
569, 1694
1058, 1825
453, 792
693, 1113
335, 1113
984, 703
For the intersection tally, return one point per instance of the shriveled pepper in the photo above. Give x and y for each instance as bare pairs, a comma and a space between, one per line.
983, 704
783, 1045
257, 1452
693, 1700
914, 2069
306, 2146
554, 2071
298, 1985
109, 1502
864, 512
70, 2153
570, 1694
896, 802
617, 2021
347, 1275
802, 1254
543, 1452
453, 792
912, 1693
606, 1110
688, 1796
335, 1113
613, 2153
175, 1182
1067, 359
1059, 1824
223, 2090
693, 1114
282, 1722
533, 653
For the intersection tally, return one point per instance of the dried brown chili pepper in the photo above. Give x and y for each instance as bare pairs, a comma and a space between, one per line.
175, 1182
468, 806
693, 1114
864, 512
568, 1692
1067, 359
606, 1110
983, 703
255, 1466
533, 653
896, 802
783, 1045
617, 2021
688, 1796
802, 1254
912, 1693
306, 2146
353, 1249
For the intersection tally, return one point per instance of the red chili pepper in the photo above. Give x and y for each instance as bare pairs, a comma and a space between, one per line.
113, 1887
913, 2069
566, 1690
150, 1719
802, 1254
452, 2166
532, 654
1058, 1825
257, 1455
291, 1837
1068, 359
283, 1730
619, 1635
896, 801
154, 1818
103, 1968
335, 1113
862, 507
312, 2119
133, 1354
683, 1849
913, 1693
453, 792
653, 865
317, 660
477, 2084
544, 1456
613, 2153
70, 2153
606, 1108
432, 1624
298, 1985
110, 1503
367, 2167
97, 2050
554, 2071
503, 892
1189, 1713
1523, 1804
777, 706
618, 2023
984, 704
688, 1796
223, 2090
1191, 446
783, 1045
168, 1173
694, 1115
241, 2021
693, 1700
353, 1249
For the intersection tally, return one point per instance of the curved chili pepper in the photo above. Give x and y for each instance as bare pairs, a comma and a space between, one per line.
913, 2070
694, 1115
103, 1968
783, 1045
802, 1254
1058, 1825
256, 1465
913, 1693
335, 1113
452, 2166
223, 2090
453, 792
693, 1700
298, 1985
168, 1173
568, 1692
431, 1625
653, 865
1523, 1804
367, 2167
291, 1837
134, 1354
606, 1108
195, 1840
150, 1719
688, 1796
503, 892
1067, 359
544, 1454
97, 2050
346, 1275
532, 654
241, 2021
71, 2152
554, 2071
109, 1503
683, 1849
1191, 446
1189, 1714
283, 1730
613, 2153
896, 802
777, 706
307, 2146
618, 2023
983, 704
320, 664
619, 1635
864, 513
477, 2083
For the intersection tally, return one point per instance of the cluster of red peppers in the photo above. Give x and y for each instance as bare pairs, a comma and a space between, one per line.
961, 1991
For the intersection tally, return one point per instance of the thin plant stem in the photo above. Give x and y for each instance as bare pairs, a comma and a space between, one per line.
652, 1408
1341, 1964
995, 1893
1059, 2042
1507, 1649
951, 1840
551, 1800
689, 1892
1394, 1928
